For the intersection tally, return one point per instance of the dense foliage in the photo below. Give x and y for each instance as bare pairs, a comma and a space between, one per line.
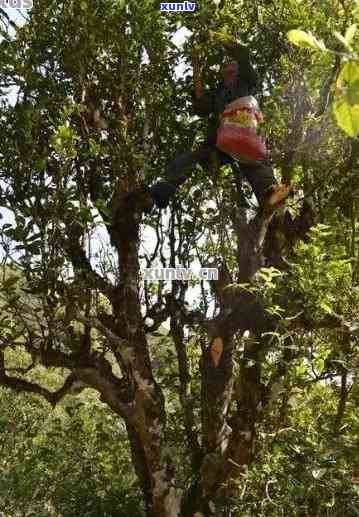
111, 403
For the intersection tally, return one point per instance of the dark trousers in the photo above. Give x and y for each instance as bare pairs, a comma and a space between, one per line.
260, 175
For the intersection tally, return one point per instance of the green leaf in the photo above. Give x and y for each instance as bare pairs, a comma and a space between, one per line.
347, 116
346, 104
350, 34
347, 39
318, 473
325, 307
353, 93
341, 38
349, 74
305, 39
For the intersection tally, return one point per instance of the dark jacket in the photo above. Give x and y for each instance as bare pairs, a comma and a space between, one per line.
213, 102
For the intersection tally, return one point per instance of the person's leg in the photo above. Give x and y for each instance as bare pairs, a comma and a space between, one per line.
177, 172
265, 187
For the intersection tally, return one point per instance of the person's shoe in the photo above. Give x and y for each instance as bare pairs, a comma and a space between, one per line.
162, 193
276, 196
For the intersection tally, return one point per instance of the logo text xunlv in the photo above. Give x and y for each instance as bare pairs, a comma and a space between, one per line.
184, 6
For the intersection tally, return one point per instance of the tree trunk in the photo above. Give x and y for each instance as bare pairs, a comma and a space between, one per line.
146, 423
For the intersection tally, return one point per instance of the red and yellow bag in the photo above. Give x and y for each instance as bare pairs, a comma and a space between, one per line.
237, 134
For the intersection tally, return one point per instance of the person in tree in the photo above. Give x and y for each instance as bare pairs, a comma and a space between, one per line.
232, 103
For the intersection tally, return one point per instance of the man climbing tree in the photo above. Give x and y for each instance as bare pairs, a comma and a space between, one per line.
231, 103
230, 403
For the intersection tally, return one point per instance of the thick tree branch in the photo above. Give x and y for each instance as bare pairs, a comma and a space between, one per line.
81, 263
186, 398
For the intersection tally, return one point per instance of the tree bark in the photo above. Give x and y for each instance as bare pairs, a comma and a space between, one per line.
147, 423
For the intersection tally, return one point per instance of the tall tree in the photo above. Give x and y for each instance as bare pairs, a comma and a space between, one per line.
100, 109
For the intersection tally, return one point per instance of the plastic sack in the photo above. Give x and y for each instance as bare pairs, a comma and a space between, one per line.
241, 143
237, 135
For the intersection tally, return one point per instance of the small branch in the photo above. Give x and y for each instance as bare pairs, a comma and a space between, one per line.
109, 334
186, 398
346, 55
330, 321
83, 266
20, 385
344, 392
97, 375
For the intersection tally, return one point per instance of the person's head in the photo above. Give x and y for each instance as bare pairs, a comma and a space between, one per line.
230, 73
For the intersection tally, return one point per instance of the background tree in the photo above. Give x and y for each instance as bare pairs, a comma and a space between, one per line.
100, 110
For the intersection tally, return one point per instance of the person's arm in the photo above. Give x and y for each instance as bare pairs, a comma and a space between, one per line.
247, 73
202, 101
